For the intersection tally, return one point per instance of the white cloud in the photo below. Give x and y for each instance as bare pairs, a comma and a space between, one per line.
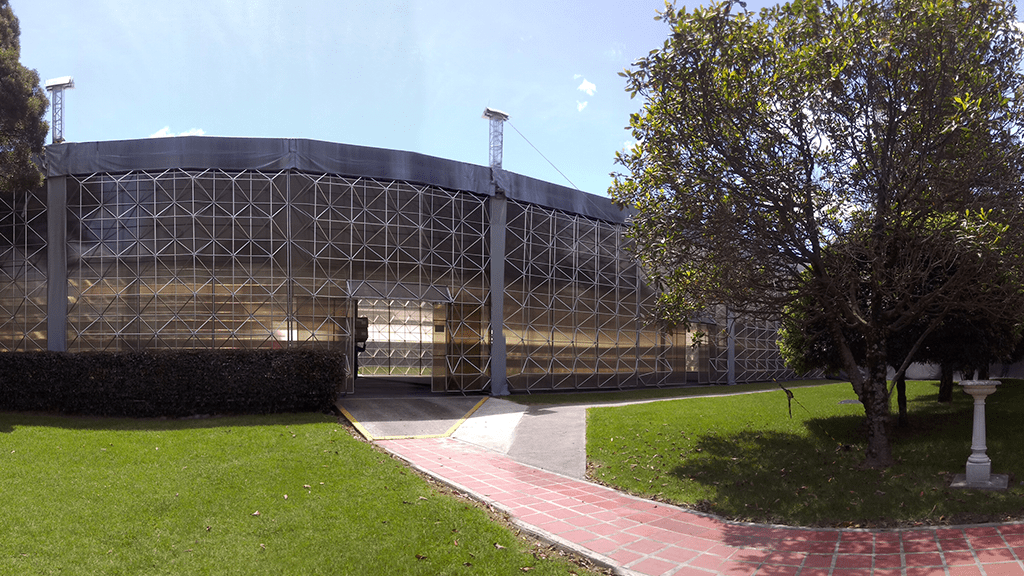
615, 52
581, 105
629, 145
165, 132
587, 87
577, 76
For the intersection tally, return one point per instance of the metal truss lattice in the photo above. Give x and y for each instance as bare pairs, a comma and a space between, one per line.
576, 306
180, 260
23, 295
756, 352
250, 259
215, 259
403, 234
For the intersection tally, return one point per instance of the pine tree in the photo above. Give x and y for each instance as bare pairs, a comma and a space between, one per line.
23, 105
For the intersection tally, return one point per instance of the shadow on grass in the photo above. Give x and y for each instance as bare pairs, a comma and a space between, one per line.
11, 420
818, 479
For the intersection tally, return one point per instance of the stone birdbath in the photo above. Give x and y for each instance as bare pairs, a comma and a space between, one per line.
979, 465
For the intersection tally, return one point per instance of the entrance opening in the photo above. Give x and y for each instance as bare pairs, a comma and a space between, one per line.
401, 338
401, 344
405, 332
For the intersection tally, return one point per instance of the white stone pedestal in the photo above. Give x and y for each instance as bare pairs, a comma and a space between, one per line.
979, 465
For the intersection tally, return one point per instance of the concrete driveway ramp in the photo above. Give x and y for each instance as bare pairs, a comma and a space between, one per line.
552, 438
419, 417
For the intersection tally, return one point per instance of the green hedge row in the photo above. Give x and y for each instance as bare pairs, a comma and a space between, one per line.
171, 383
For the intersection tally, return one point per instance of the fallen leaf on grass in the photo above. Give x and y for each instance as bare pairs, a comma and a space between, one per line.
499, 546
256, 513
421, 557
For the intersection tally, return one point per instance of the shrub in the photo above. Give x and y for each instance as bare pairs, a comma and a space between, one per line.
171, 383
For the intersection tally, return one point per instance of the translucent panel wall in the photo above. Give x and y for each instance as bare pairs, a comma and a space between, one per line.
403, 238
180, 260
576, 310
213, 259
23, 271
756, 356
277, 258
757, 352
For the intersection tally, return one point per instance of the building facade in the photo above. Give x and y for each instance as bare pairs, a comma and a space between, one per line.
482, 279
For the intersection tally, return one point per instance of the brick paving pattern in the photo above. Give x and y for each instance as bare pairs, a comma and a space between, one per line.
645, 537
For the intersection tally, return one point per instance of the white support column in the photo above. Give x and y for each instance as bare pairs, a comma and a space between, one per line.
730, 362
56, 264
499, 367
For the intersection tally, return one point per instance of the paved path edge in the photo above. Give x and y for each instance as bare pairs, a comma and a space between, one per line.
533, 531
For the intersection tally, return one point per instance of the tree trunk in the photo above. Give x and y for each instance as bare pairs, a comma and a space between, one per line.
901, 400
945, 383
875, 398
873, 394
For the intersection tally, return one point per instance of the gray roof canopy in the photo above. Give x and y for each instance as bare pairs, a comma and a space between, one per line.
314, 156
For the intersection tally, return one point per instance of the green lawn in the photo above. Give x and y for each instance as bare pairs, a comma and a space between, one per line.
291, 494
745, 458
616, 396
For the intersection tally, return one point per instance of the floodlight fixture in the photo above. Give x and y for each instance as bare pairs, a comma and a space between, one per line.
497, 118
60, 83
57, 86
493, 114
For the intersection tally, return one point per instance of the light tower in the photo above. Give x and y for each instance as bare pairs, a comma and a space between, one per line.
497, 118
497, 207
56, 87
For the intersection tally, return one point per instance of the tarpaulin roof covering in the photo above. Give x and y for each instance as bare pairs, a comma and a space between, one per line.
314, 156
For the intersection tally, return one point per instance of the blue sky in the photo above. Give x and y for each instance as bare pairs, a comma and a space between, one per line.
411, 75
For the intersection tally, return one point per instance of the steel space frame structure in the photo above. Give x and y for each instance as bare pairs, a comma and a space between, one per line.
500, 283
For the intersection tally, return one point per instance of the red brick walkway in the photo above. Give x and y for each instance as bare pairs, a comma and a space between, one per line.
648, 537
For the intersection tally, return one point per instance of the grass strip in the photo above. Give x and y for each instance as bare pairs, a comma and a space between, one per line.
284, 494
618, 396
745, 458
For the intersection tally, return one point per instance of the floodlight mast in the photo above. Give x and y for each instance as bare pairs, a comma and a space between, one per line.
497, 118
56, 87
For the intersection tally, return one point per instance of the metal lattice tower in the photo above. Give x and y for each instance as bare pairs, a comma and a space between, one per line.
56, 87
497, 118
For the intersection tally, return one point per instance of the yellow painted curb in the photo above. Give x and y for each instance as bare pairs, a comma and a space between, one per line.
366, 433
355, 423
466, 417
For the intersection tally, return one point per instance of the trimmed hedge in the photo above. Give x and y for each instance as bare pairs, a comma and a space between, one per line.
173, 383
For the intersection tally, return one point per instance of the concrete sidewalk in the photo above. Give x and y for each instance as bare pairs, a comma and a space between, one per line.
552, 438
530, 463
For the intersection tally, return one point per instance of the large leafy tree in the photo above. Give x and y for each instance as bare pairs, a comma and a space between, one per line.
862, 158
23, 106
